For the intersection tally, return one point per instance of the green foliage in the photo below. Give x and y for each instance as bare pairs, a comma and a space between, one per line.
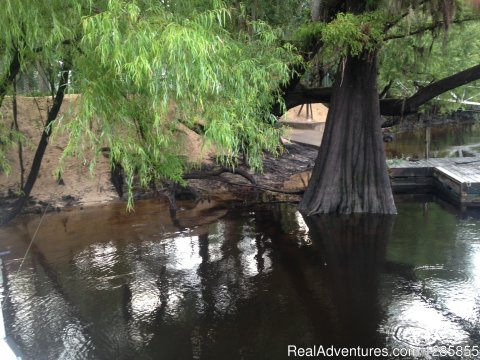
308, 35
37, 29
144, 69
351, 34
416, 61
6, 141
287, 14
347, 34
147, 69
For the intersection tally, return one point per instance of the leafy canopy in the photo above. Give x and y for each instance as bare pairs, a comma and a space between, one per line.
416, 61
418, 42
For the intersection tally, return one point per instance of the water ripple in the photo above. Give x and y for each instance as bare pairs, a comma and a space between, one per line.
415, 336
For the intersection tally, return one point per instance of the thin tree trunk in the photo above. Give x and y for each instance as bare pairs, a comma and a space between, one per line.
42, 146
17, 129
13, 71
350, 173
316, 10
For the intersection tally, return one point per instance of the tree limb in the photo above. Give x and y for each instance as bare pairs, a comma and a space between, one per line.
300, 94
384, 92
411, 105
388, 107
430, 27
389, 25
215, 175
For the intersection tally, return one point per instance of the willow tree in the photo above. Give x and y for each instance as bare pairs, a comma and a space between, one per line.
350, 174
146, 70
36, 32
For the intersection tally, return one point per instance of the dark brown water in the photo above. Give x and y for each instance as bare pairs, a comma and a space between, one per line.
451, 140
240, 283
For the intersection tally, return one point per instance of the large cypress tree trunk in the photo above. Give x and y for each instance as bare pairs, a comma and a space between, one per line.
350, 173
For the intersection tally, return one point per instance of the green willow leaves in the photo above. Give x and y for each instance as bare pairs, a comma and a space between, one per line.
146, 71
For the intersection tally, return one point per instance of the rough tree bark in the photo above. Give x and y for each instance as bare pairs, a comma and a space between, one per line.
42, 146
350, 173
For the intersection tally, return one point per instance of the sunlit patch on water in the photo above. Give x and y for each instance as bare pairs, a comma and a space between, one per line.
145, 298
182, 252
413, 324
303, 231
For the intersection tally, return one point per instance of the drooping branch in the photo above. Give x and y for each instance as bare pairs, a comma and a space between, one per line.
384, 92
389, 107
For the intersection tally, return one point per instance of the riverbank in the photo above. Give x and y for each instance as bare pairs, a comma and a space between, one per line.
78, 188
284, 178
418, 121
76, 185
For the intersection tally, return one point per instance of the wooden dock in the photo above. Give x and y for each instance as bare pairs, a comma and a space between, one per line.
457, 179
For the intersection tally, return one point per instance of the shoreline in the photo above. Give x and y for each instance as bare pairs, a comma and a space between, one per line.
286, 175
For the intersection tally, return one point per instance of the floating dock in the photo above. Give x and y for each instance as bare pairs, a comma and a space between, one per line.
457, 179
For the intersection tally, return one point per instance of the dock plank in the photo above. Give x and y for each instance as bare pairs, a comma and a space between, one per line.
456, 178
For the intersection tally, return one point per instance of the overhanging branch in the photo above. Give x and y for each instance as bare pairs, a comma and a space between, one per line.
411, 105
389, 107
430, 27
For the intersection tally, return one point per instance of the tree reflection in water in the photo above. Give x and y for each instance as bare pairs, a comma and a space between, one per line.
352, 250
243, 287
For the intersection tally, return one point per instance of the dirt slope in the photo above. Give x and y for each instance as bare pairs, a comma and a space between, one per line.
78, 187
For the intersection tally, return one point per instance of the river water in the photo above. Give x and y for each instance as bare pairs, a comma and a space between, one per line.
449, 140
234, 282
